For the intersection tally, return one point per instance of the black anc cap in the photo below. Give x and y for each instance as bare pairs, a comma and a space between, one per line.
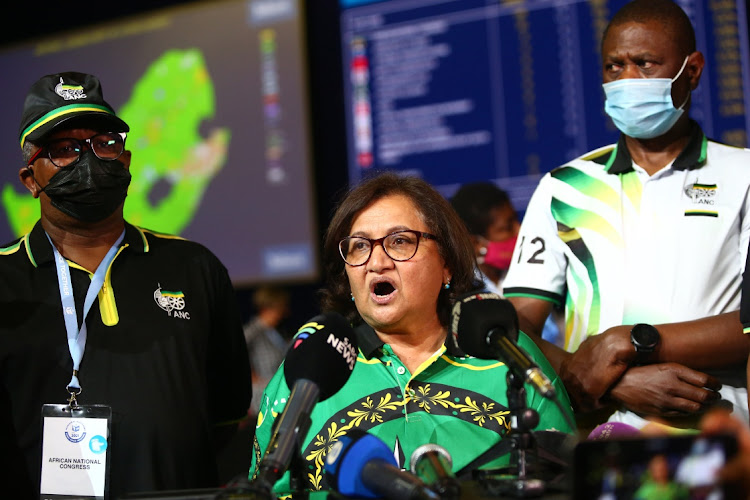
55, 99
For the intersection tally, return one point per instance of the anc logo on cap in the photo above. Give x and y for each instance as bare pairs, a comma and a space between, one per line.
69, 92
54, 99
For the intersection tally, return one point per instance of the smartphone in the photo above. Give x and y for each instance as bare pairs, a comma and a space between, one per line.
642, 468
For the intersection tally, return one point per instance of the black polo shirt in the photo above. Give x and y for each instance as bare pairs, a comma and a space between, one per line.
165, 350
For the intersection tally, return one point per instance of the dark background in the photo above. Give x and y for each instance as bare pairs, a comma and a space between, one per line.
326, 96
329, 170
38, 19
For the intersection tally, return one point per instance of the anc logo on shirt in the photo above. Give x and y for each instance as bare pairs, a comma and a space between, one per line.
703, 195
171, 301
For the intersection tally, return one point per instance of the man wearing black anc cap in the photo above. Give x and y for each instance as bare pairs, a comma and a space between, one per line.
122, 357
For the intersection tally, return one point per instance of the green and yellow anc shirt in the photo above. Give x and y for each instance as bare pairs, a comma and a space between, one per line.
455, 401
616, 246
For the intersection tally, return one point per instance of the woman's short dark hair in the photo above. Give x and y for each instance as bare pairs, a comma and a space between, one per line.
453, 240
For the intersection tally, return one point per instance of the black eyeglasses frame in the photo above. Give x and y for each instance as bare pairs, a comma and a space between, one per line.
44, 148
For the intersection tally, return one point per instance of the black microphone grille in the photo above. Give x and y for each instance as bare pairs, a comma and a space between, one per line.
324, 351
475, 315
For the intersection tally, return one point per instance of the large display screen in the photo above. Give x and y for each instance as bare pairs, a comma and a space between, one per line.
464, 90
215, 96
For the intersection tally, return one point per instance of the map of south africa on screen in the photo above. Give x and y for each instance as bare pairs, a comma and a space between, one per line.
166, 141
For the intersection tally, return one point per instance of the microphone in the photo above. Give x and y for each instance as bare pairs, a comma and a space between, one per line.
612, 430
361, 465
433, 464
486, 326
318, 364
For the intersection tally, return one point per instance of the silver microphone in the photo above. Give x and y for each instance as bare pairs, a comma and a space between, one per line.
433, 465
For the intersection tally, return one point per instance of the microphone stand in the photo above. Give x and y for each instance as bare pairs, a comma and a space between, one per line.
522, 421
297, 478
265, 481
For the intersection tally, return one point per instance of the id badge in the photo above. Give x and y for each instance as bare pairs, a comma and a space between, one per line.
75, 451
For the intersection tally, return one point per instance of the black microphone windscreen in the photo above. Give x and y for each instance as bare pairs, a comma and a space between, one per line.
324, 351
475, 315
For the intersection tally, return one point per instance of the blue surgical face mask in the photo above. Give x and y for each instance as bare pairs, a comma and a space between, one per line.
642, 107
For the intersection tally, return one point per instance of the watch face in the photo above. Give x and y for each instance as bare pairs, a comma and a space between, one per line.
644, 337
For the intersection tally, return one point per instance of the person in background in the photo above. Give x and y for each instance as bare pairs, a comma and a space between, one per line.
735, 475
396, 256
493, 224
96, 311
644, 241
266, 347
658, 482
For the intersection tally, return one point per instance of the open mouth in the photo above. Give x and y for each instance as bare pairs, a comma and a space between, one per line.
383, 288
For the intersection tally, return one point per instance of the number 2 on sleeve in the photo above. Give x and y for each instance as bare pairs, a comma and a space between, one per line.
538, 244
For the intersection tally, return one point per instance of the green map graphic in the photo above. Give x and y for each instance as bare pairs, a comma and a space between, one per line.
172, 163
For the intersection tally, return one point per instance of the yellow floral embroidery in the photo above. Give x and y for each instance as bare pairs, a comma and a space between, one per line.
324, 444
371, 412
424, 400
375, 413
315, 479
485, 412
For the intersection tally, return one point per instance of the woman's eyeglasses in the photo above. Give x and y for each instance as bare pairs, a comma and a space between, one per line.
399, 246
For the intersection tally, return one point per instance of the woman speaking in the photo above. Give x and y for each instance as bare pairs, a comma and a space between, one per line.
396, 256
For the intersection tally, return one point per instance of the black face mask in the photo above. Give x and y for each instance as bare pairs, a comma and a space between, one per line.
91, 189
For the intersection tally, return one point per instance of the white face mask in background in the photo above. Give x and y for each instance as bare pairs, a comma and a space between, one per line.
642, 107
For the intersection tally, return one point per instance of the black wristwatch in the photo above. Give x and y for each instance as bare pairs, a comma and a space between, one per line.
644, 338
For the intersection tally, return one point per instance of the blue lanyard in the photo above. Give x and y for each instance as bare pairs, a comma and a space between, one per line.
76, 336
